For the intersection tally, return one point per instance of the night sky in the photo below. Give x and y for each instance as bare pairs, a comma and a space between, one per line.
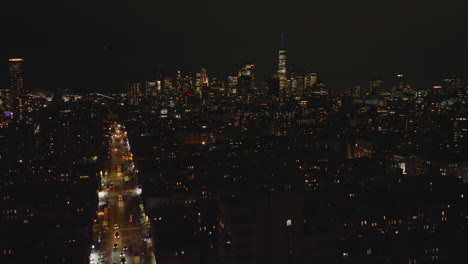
89, 45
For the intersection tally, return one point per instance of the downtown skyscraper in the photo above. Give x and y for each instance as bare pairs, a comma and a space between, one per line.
282, 67
15, 87
16, 75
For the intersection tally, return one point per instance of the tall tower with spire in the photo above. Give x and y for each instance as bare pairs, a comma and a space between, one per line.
282, 67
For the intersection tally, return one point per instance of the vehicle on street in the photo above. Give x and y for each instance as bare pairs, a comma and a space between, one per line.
116, 246
125, 248
117, 235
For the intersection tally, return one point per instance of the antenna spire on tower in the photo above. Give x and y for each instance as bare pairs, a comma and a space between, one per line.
282, 40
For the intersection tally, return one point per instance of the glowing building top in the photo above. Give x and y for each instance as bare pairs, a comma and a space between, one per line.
282, 67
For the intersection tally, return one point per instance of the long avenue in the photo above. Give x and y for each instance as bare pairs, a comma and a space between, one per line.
121, 229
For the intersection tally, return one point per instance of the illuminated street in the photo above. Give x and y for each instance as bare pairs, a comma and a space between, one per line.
246, 132
121, 230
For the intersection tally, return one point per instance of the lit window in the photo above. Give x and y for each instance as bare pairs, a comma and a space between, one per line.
288, 222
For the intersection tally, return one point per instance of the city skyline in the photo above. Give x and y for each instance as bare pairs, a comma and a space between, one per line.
282, 69
245, 132
94, 43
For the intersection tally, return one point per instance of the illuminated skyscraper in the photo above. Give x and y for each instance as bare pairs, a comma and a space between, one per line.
292, 82
232, 84
16, 76
248, 70
201, 80
452, 87
168, 86
134, 93
204, 77
459, 133
205, 84
178, 82
310, 80
10, 95
187, 83
198, 83
282, 67
376, 87
246, 79
400, 82
151, 89
6, 99
357, 91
